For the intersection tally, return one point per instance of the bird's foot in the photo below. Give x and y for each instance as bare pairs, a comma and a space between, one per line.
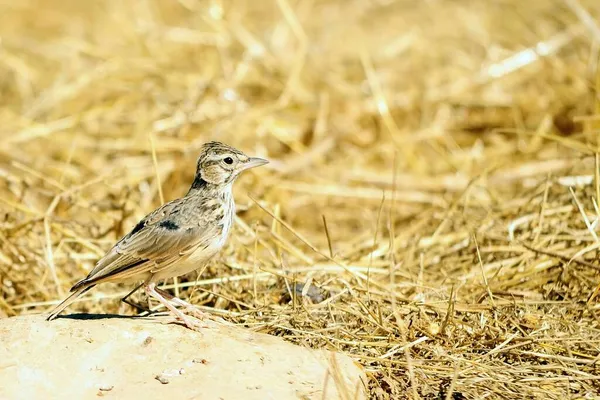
191, 323
189, 308
199, 314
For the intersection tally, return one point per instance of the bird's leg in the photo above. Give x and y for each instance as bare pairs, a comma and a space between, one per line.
191, 309
139, 307
150, 289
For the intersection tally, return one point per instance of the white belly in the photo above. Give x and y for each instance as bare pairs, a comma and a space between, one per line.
196, 260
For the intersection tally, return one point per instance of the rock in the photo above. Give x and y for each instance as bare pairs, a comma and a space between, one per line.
87, 356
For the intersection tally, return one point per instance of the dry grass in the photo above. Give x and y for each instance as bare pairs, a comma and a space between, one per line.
434, 174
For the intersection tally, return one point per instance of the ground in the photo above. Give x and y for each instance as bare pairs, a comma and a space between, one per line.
430, 208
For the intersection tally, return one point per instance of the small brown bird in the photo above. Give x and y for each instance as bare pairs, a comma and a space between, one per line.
178, 237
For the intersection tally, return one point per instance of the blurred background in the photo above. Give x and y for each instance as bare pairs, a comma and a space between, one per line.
430, 208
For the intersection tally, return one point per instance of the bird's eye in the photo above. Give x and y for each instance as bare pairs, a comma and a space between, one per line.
228, 160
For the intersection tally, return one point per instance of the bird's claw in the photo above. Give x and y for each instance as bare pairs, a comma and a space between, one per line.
191, 323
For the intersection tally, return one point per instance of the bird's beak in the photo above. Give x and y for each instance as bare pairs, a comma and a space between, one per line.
253, 162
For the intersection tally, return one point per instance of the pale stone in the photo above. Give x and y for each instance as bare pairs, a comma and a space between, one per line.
144, 358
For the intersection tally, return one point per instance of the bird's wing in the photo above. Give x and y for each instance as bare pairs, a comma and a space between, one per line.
162, 238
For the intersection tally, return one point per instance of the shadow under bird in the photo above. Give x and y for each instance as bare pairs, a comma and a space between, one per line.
180, 236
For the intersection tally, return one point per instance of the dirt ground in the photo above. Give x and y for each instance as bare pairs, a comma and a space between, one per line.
150, 358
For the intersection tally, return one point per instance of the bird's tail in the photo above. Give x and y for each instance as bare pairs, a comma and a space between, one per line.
66, 302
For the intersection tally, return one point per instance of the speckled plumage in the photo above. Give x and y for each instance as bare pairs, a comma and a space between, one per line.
181, 235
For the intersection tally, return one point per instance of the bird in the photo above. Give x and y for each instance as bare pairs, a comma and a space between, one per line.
179, 237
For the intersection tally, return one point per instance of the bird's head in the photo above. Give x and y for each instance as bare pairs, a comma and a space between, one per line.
220, 164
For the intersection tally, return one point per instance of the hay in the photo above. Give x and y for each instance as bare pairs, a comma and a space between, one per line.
434, 186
